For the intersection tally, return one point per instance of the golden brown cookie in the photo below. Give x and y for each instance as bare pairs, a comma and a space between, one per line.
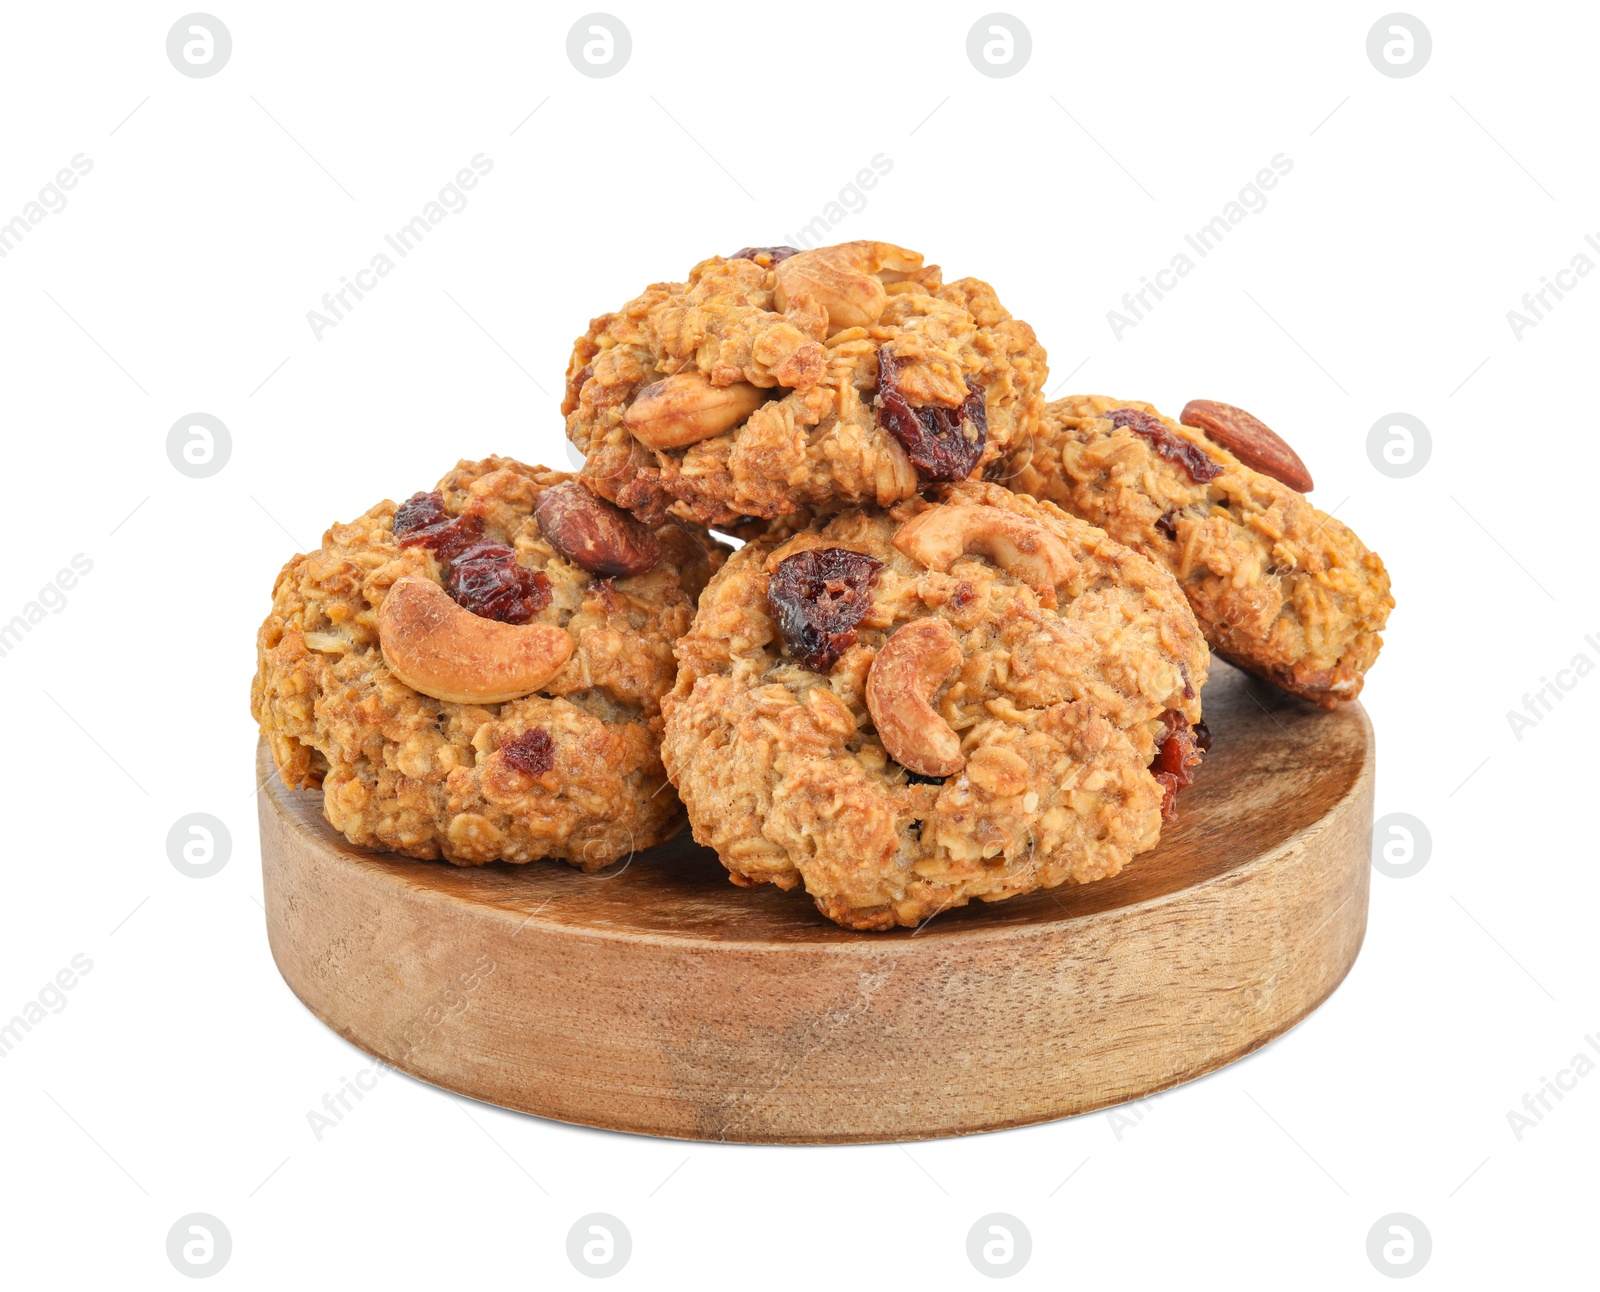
533, 625
954, 700
774, 380
1281, 589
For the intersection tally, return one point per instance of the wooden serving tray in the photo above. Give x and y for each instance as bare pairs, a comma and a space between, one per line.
659, 998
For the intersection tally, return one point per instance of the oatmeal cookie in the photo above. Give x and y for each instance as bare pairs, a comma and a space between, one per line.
776, 380
1281, 589
959, 699
534, 626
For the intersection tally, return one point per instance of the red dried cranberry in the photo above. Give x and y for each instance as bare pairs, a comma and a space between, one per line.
818, 597
418, 511
422, 521
1177, 755
1167, 524
531, 751
1172, 447
488, 580
934, 438
773, 254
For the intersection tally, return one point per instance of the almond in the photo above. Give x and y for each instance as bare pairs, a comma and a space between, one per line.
1250, 440
593, 533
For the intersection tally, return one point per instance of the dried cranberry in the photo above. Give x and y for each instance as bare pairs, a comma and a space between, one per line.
934, 438
1177, 755
418, 511
422, 521
1202, 736
773, 254
532, 751
1172, 447
1167, 525
818, 597
488, 580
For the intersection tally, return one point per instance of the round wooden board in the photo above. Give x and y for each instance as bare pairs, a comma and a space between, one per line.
658, 998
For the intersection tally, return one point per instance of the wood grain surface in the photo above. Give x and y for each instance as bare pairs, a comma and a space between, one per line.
658, 998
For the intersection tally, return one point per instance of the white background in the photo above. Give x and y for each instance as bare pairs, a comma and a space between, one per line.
177, 279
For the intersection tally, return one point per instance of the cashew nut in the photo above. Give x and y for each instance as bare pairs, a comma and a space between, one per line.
686, 408
912, 665
846, 280
444, 650
940, 536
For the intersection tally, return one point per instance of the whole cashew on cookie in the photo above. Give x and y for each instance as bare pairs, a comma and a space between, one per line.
444, 650
846, 280
906, 673
940, 536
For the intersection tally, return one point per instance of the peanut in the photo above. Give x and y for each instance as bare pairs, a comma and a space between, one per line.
847, 280
686, 408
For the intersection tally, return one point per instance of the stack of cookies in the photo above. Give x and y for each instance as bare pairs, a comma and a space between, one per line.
959, 655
